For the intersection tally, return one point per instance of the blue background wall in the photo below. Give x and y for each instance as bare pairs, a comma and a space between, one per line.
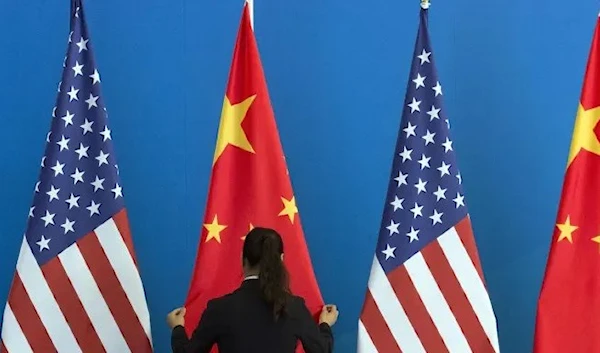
337, 71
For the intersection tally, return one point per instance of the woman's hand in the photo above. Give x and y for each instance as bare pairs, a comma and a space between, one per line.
329, 315
176, 317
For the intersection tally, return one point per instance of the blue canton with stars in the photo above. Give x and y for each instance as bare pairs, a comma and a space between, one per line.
78, 188
425, 196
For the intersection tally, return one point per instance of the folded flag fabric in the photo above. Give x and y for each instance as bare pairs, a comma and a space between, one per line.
249, 187
426, 291
77, 287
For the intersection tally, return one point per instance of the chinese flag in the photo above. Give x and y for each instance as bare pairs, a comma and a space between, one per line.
249, 187
568, 317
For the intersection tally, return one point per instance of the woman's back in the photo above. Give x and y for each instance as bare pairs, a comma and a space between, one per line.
243, 322
261, 316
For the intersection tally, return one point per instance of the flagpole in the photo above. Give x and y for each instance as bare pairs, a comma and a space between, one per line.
251, 11
425, 4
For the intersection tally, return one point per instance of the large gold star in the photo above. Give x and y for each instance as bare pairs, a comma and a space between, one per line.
566, 230
230, 127
584, 136
289, 208
214, 230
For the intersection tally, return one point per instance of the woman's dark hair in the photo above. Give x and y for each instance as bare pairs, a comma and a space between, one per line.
263, 248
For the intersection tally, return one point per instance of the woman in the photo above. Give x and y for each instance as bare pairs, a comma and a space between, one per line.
261, 316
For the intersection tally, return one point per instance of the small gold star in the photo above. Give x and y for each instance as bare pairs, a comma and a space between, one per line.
596, 239
214, 230
566, 230
251, 227
289, 208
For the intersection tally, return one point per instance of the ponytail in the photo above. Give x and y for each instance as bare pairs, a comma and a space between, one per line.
273, 278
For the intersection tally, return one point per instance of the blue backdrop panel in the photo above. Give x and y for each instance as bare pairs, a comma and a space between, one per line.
337, 72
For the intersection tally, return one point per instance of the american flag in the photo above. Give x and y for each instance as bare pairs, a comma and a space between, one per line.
426, 291
77, 287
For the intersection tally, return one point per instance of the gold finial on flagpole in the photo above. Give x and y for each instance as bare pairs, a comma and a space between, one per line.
425, 4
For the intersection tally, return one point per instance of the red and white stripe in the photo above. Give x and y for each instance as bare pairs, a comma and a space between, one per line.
436, 302
88, 299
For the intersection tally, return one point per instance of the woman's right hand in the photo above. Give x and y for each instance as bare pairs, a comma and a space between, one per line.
329, 315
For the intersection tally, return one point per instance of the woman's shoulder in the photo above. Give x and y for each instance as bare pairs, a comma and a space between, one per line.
297, 299
235, 296
297, 302
224, 300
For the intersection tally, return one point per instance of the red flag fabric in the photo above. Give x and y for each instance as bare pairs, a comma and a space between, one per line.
249, 186
568, 306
